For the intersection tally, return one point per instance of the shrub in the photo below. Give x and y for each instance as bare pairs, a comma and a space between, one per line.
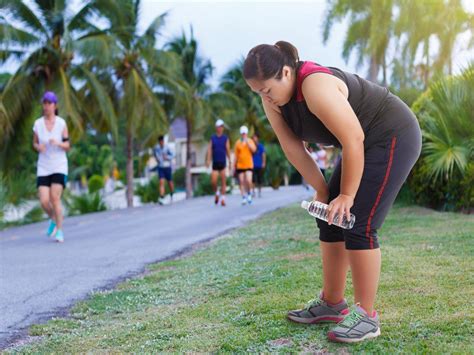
148, 192
277, 165
204, 186
179, 178
443, 176
85, 203
95, 183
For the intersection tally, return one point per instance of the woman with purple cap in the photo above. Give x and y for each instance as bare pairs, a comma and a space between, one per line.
51, 141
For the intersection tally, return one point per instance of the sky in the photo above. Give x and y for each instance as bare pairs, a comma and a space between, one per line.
226, 30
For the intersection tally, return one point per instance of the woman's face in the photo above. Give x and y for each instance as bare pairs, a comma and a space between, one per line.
275, 91
49, 108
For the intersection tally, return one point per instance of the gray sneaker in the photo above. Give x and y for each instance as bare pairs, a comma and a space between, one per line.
355, 327
319, 311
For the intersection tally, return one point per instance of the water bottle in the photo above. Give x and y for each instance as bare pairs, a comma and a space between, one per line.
320, 210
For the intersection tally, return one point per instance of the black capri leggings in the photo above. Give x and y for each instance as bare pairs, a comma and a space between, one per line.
387, 164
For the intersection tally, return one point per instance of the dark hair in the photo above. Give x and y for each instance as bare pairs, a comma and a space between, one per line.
160, 138
266, 61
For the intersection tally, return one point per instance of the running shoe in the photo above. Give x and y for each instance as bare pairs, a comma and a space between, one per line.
319, 311
356, 326
51, 228
59, 236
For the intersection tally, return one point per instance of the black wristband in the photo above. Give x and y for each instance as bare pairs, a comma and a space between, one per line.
66, 139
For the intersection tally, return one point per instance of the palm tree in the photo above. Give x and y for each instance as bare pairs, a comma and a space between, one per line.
455, 21
245, 106
191, 96
443, 20
369, 31
418, 32
126, 56
44, 37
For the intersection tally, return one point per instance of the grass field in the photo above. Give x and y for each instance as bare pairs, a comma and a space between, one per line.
232, 296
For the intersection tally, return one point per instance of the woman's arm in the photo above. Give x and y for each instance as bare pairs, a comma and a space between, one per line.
65, 145
296, 152
36, 145
251, 145
236, 156
227, 149
208, 156
327, 100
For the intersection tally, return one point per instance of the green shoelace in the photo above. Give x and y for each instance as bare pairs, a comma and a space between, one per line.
351, 319
313, 303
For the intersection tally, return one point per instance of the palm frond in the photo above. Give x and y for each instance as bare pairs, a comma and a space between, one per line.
7, 54
79, 22
102, 99
24, 14
69, 105
148, 39
9, 35
98, 47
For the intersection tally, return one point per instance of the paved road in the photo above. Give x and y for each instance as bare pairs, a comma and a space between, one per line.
40, 278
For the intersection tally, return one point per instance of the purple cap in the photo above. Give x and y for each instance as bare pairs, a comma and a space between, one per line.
50, 96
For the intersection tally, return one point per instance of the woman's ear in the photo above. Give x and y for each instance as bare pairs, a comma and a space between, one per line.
287, 72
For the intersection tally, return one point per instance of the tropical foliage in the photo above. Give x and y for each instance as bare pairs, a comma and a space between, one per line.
191, 92
45, 38
277, 165
396, 33
444, 176
85, 203
239, 105
119, 90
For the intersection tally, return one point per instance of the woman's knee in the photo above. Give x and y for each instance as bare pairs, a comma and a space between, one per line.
55, 200
45, 203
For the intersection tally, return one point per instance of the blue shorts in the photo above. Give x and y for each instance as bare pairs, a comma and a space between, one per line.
165, 173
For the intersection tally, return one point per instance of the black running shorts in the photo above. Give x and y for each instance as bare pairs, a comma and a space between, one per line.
51, 179
387, 164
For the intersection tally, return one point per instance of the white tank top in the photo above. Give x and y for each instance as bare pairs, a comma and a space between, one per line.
54, 159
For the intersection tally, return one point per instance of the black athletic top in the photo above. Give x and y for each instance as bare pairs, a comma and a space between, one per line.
368, 100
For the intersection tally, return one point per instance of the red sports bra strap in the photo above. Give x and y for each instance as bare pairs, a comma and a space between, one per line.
308, 68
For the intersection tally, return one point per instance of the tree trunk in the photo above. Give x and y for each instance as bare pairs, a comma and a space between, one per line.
384, 68
189, 185
129, 169
426, 76
373, 69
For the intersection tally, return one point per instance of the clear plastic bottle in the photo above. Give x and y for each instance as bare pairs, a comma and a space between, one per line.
320, 210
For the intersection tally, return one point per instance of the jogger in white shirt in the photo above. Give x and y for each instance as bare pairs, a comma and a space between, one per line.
51, 141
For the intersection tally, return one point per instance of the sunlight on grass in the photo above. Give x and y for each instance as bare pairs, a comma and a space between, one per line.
233, 295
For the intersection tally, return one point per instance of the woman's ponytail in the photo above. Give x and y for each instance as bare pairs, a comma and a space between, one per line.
266, 61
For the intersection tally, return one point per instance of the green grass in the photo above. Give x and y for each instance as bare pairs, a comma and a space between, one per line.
233, 295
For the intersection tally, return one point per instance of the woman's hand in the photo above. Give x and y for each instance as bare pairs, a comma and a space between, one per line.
41, 148
339, 206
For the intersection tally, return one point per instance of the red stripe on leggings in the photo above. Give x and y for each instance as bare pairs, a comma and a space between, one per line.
387, 173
